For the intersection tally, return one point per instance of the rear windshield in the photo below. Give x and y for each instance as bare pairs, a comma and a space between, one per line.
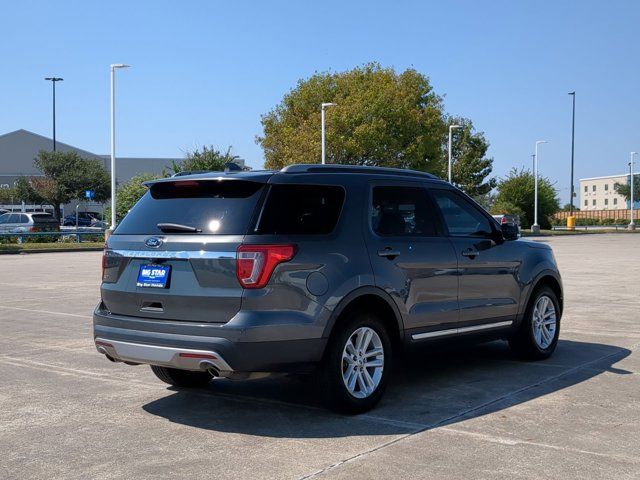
301, 210
218, 207
43, 218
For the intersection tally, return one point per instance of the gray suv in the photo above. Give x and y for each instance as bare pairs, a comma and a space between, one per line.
332, 269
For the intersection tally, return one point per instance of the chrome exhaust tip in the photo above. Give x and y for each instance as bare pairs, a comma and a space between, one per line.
210, 367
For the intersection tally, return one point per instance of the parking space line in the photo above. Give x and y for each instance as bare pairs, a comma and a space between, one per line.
48, 312
514, 442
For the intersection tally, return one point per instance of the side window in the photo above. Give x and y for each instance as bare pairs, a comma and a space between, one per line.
301, 210
5, 218
14, 218
462, 218
402, 211
24, 219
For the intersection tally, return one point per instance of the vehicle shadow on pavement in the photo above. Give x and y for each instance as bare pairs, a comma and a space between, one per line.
427, 390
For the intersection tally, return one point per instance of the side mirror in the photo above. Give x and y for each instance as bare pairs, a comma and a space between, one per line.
509, 231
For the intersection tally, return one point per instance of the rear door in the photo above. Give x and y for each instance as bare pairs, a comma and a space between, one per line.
488, 283
411, 259
194, 274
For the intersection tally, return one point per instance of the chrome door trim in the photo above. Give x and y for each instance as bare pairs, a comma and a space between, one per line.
457, 331
179, 255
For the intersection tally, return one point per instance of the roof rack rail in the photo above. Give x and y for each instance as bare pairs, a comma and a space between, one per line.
334, 168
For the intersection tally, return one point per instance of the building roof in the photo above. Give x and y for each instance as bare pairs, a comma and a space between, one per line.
604, 177
19, 148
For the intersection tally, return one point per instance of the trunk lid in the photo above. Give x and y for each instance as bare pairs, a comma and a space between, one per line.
201, 283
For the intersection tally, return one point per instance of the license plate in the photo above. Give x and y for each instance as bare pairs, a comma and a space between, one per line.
153, 276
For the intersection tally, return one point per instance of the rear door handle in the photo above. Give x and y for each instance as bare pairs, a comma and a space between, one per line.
389, 253
470, 252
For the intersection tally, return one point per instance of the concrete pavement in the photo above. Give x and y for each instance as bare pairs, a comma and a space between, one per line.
66, 412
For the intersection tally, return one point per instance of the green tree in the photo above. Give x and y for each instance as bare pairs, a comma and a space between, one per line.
205, 159
67, 176
516, 195
8, 195
381, 118
471, 168
128, 194
624, 189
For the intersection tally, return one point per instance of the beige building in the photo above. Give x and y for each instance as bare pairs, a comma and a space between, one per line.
598, 193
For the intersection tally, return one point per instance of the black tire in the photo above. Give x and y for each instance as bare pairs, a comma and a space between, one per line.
523, 343
181, 378
334, 391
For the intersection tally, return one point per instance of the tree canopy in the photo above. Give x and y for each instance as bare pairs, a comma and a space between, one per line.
204, 159
516, 196
67, 176
624, 189
381, 118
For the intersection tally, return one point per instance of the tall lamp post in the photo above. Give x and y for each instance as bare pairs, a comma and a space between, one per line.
535, 228
113, 68
53, 81
573, 134
451, 128
322, 109
632, 224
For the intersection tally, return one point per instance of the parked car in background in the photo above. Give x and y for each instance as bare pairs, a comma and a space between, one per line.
18, 222
510, 221
334, 267
84, 219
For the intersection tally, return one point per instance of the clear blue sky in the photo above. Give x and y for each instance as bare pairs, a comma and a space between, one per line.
203, 72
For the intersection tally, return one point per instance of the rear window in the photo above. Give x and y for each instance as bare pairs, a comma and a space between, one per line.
301, 210
218, 207
43, 218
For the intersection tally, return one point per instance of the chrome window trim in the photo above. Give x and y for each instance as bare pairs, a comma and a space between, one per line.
456, 331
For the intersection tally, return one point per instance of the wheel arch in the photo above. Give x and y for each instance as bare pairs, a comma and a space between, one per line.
371, 299
552, 280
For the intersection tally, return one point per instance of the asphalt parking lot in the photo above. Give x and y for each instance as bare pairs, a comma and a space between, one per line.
66, 412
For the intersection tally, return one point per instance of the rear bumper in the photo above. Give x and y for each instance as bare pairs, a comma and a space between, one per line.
229, 349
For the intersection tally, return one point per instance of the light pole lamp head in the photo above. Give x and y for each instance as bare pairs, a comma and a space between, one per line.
541, 141
328, 104
54, 79
451, 127
572, 93
119, 65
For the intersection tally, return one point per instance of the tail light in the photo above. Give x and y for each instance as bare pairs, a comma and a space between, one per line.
504, 221
255, 263
33, 229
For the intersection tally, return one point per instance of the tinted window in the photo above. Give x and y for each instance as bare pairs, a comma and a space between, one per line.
301, 210
5, 218
222, 207
461, 217
14, 218
24, 219
402, 211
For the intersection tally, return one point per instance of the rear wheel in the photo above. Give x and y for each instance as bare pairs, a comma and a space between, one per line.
181, 378
538, 334
357, 364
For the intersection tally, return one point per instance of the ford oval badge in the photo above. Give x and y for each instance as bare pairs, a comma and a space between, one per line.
153, 242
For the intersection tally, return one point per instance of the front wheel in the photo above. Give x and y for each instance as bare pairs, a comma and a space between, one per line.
181, 378
537, 337
356, 366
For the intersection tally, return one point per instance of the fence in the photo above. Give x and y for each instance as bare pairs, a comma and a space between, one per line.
622, 214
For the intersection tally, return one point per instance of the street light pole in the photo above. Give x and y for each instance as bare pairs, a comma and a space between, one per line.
53, 81
113, 142
323, 106
533, 162
451, 128
573, 134
632, 224
535, 228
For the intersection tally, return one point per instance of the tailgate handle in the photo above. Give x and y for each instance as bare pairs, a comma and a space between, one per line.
154, 307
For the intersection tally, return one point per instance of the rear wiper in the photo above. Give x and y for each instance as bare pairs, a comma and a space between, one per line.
176, 227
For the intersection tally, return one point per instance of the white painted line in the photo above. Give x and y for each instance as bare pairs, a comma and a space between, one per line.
48, 312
